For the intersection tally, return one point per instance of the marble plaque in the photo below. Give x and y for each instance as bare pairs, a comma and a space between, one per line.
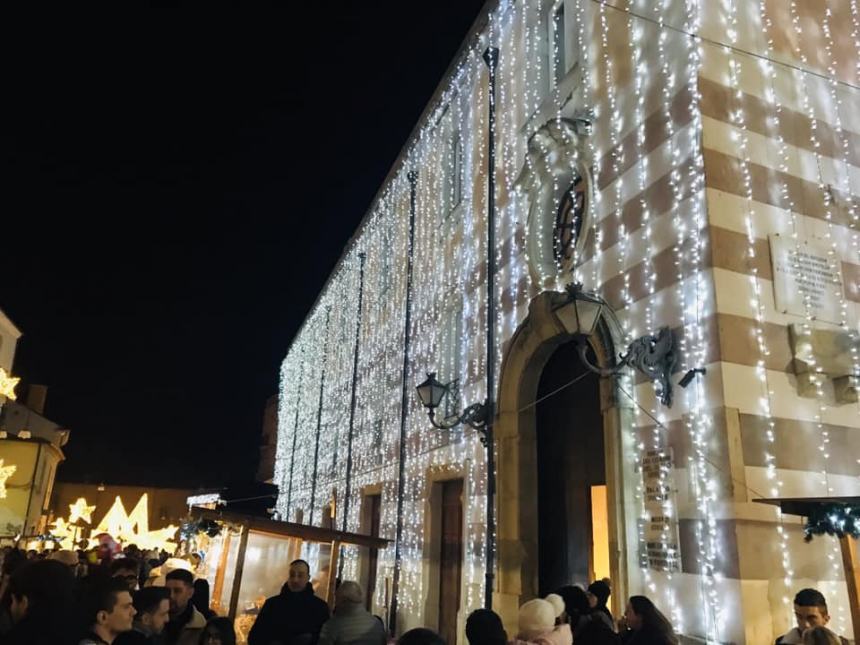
660, 550
807, 281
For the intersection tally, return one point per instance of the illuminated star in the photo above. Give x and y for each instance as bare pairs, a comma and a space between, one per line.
7, 384
80, 510
61, 529
5, 473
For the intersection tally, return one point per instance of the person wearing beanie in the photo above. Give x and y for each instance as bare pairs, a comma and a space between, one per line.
66, 557
557, 603
598, 595
589, 628
537, 624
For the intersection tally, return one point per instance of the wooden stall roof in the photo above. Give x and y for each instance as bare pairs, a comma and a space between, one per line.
290, 529
802, 505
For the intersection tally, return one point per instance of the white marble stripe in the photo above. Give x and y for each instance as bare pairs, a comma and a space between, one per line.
723, 137
755, 81
735, 296
657, 163
728, 211
742, 390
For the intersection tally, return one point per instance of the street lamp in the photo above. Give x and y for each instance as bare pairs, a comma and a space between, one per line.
653, 355
432, 391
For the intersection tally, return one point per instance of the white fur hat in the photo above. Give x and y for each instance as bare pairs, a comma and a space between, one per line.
557, 602
536, 617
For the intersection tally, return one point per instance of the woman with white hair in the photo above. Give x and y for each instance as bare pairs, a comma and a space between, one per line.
351, 623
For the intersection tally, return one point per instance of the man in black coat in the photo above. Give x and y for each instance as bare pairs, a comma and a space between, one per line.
293, 617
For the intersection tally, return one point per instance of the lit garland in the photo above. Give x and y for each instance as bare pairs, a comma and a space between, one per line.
787, 204
833, 519
449, 321
193, 528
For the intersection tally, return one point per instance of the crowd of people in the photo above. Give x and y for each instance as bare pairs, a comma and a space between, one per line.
56, 601
92, 598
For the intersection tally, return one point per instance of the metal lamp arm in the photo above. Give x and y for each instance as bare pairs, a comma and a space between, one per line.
475, 416
653, 355
582, 348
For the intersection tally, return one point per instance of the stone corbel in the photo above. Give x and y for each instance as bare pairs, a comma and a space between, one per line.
825, 354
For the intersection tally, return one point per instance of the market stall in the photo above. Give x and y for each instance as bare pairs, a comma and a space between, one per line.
247, 559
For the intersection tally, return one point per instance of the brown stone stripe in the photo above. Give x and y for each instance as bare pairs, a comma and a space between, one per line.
738, 344
675, 435
796, 445
795, 127
723, 172
656, 132
730, 250
664, 266
726, 250
657, 198
726, 559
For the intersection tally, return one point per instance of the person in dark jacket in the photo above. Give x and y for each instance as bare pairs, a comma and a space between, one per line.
646, 625
598, 595
293, 617
420, 636
589, 627
152, 605
41, 596
200, 599
484, 627
219, 631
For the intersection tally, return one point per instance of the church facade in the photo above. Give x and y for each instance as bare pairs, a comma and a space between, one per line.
695, 166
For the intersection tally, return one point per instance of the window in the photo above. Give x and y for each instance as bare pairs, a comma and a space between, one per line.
557, 43
456, 192
385, 270
449, 361
377, 439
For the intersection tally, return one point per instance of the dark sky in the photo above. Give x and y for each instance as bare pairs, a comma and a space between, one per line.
178, 185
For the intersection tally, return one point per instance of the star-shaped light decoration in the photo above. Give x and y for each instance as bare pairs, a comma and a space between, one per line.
133, 528
61, 528
7, 384
63, 532
81, 511
5, 473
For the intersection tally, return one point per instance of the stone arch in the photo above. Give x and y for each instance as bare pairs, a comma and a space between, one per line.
525, 356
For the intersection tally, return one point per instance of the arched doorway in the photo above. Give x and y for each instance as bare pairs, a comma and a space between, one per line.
529, 352
573, 545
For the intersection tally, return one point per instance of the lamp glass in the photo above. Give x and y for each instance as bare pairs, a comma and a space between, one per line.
580, 315
431, 391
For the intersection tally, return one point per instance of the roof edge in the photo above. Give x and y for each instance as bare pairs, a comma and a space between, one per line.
474, 34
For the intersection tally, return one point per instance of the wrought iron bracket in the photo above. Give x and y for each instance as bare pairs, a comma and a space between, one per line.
475, 416
653, 355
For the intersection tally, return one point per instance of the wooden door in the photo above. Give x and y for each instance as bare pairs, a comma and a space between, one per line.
374, 503
450, 559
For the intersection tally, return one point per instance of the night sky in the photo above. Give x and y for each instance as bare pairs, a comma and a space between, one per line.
178, 186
